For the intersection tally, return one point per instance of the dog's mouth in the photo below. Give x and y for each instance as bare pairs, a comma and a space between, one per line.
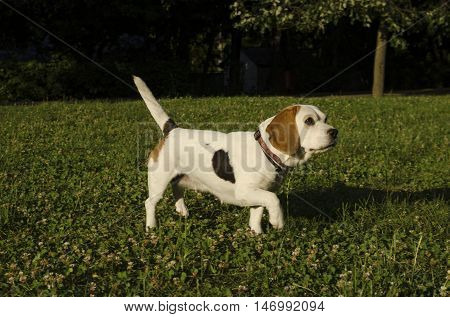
329, 146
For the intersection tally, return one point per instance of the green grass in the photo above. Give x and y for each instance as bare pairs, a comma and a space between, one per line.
73, 185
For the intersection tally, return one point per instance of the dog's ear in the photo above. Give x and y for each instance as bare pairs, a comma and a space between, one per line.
283, 132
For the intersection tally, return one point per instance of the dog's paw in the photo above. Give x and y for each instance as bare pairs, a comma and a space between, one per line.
181, 208
277, 222
183, 212
256, 229
150, 225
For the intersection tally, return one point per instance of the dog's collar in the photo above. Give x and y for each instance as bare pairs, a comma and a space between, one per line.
274, 159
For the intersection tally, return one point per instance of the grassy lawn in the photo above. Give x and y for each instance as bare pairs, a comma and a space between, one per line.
73, 184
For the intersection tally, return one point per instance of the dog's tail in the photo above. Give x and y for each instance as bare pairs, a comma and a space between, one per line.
165, 123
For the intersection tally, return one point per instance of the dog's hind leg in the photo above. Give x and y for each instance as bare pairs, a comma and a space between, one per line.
157, 183
180, 206
256, 214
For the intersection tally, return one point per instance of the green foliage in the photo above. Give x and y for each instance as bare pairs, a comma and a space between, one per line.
178, 44
309, 16
62, 77
72, 212
34, 80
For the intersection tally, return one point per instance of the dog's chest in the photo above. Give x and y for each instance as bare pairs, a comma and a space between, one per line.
270, 181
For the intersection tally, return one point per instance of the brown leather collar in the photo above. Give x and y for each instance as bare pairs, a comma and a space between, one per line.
274, 159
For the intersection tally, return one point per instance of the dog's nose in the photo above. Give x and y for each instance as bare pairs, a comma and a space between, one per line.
333, 133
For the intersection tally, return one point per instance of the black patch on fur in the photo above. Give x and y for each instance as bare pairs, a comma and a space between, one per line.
222, 166
169, 126
176, 179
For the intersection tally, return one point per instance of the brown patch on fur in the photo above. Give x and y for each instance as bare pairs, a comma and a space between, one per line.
155, 152
283, 132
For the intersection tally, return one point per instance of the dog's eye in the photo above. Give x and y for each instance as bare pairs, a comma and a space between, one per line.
309, 121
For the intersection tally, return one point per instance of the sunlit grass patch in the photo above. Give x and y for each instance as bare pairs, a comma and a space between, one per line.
73, 184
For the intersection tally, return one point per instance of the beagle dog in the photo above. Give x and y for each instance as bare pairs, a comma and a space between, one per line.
240, 168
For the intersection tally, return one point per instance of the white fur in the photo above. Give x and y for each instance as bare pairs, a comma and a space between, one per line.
189, 152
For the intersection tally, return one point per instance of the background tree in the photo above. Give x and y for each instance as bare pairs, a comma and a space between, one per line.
190, 46
274, 19
392, 18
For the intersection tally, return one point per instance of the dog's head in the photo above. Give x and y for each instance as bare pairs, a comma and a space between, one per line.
301, 129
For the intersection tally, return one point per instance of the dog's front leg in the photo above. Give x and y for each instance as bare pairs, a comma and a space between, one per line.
258, 197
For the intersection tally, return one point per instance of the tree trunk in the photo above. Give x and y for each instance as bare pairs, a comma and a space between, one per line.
274, 77
209, 53
379, 63
286, 61
235, 63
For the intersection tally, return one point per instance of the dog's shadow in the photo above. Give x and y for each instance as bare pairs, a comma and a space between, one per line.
330, 202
